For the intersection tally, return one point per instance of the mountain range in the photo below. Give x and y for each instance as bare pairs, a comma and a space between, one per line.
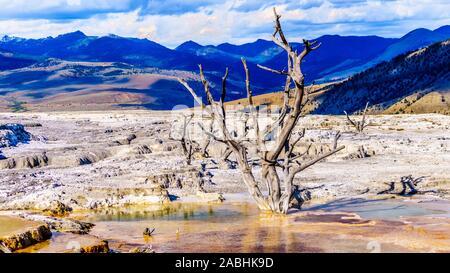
413, 82
35, 70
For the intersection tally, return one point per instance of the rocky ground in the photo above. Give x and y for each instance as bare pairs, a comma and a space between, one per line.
89, 160
61, 162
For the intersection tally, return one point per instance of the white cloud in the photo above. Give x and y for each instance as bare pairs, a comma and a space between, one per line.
41, 9
239, 21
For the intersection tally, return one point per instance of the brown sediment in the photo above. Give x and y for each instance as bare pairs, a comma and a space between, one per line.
17, 233
69, 243
101, 247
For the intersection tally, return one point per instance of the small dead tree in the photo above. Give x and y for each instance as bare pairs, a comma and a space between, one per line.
188, 146
406, 182
411, 183
281, 156
359, 125
362, 153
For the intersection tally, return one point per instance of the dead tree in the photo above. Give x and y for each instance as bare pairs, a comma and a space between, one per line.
188, 146
281, 156
359, 125
362, 153
407, 182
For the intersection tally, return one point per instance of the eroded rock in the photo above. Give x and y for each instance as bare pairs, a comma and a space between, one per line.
22, 162
360, 152
142, 150
60, 224
102, 247
211, 196
153, 194
58, 209
13, 134
126, 141
27, 238
190, 180
160, 145
93, 156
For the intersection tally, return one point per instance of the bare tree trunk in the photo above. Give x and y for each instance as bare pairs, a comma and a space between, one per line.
207, 142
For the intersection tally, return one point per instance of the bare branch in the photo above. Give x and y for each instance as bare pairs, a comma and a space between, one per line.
281, 41
206, 86
189, 88
224, 86
316, 160
363, 122
253, 111
224, 93
247, 83
185, 141
212, 135
281, 72
302, 154
350, 120
208, 139
359, 125
336, 139
300, 135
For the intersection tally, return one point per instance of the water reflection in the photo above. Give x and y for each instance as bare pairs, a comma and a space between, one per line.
241, 227
172, 212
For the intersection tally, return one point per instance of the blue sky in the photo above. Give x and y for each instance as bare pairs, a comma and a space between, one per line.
172, 22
